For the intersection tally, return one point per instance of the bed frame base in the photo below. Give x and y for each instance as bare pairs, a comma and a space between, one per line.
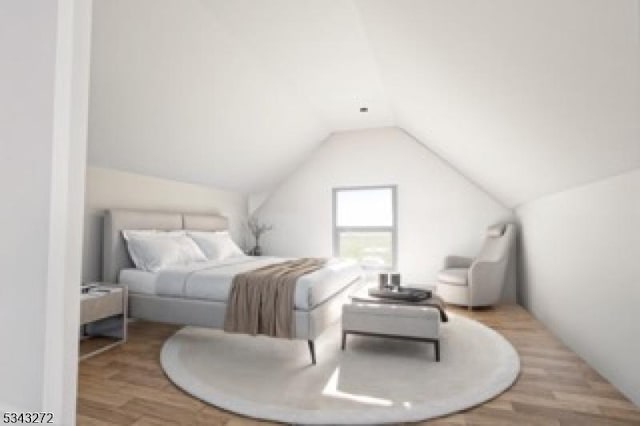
210, 314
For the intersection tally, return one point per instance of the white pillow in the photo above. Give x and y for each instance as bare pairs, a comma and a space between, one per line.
216, 245
190, 250
155, 250
134, 234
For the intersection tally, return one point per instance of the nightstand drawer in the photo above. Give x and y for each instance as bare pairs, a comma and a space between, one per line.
101, 306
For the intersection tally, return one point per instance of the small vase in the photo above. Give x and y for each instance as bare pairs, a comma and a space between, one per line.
383, 281
395, 280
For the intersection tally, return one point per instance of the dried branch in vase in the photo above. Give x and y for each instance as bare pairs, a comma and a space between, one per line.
257, 229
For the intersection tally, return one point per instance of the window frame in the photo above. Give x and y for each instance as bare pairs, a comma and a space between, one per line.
393, 229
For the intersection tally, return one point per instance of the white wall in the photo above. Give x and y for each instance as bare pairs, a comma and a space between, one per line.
108, 188
43, 106
26, 108
580, 273
439, 211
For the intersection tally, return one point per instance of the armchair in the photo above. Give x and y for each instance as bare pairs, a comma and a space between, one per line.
480, 281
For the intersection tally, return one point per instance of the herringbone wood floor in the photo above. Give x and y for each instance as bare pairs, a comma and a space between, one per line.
126, 386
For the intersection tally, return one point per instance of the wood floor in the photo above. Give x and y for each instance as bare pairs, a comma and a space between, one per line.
126, 386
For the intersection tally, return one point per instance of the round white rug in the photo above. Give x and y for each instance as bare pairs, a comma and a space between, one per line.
375, 380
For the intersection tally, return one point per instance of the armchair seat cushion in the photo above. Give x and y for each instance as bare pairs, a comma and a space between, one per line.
454, 276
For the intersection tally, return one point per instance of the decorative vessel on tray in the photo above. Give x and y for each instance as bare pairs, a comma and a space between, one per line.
400, 293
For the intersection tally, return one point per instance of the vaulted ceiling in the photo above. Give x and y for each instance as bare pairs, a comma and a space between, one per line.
524, 97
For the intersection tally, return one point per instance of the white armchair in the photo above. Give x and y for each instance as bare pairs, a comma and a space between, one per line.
480, 281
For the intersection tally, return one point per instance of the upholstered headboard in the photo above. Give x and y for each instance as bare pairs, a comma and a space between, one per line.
114, 253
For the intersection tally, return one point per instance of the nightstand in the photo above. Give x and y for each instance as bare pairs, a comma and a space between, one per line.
103, 313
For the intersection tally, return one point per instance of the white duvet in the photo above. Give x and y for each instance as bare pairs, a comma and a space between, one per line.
212, 280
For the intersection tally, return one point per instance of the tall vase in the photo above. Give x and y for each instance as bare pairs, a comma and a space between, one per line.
257, 250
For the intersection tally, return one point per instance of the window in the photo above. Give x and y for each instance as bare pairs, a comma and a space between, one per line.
364, 225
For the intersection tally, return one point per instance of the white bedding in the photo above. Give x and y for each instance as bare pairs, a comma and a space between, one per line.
212, 280
138, 281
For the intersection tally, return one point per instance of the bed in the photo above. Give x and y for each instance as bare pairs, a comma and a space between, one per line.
197, 294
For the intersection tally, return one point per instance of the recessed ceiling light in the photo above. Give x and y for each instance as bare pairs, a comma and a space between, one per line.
364, 109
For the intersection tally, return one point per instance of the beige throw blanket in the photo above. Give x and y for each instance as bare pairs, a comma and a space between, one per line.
262, 301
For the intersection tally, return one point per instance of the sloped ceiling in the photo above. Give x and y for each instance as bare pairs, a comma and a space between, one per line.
525, 98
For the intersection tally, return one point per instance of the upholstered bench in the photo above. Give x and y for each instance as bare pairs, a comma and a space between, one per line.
419, 323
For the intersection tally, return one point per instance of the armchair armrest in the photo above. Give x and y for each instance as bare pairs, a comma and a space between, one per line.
486, 281
457, 262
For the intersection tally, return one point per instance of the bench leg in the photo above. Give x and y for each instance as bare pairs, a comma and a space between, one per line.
436, 344
312, 350
344, 340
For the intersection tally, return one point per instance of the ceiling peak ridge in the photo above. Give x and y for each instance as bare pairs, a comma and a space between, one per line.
425, 145
362, 28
